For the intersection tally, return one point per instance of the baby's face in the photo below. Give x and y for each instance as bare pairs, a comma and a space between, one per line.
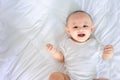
79, 27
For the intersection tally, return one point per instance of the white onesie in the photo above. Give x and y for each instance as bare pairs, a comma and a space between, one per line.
82, 59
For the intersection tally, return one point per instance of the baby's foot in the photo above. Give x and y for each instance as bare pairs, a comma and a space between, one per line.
101, 79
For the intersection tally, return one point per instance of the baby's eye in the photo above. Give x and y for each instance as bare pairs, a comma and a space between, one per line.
85, 25
75, 27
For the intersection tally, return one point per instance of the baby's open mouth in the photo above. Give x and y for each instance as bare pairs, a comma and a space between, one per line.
81, 35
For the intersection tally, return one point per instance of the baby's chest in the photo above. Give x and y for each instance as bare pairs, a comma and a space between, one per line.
82, 55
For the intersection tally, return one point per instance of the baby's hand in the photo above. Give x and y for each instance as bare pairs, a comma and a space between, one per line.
108, 52
50, 48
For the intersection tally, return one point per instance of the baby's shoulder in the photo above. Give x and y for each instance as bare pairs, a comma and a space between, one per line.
63, 41
94, 41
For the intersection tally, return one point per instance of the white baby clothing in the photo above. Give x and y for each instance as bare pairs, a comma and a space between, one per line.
82, 60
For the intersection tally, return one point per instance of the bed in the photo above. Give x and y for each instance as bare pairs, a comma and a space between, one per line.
27, 25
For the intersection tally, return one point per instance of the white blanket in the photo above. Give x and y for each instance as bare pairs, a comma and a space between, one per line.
27, 25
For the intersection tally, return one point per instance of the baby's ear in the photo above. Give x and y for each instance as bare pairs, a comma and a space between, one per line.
67, 30
92, 28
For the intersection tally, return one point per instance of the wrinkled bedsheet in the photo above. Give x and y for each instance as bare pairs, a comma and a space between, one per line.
27, 25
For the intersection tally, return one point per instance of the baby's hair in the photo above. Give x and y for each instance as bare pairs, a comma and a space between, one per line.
77, 12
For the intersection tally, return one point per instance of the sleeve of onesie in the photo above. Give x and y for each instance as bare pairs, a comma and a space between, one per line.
62, 46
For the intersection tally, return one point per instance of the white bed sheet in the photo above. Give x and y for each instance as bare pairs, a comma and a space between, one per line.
27, 25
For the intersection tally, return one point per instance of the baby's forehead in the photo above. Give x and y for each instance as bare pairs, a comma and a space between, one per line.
79, 15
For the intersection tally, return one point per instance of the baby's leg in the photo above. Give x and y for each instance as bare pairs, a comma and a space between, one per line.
58, 76
101, 79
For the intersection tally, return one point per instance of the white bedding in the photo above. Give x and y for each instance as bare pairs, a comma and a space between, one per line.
27, 25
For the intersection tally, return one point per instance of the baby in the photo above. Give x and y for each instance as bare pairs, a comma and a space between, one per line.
80, 52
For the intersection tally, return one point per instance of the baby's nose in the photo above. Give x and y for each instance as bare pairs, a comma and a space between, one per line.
80, 28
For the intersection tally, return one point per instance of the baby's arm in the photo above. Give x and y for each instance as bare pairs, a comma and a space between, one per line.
55, 53
104, 65
108, 52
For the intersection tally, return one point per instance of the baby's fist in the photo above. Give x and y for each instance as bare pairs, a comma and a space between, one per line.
50, 48
108, 52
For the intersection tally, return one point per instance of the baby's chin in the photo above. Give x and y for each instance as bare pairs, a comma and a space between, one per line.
79, 40
82, 40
